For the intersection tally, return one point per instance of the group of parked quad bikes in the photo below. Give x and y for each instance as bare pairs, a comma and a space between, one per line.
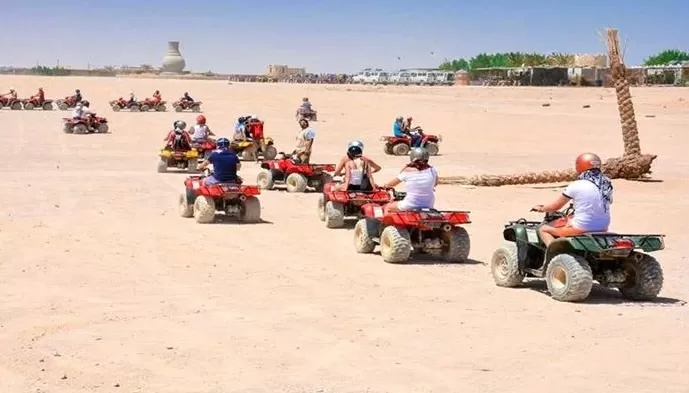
569, 265
155, 103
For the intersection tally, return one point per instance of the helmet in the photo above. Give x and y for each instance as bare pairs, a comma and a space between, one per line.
587, 161
304, 121
241, 119
399, 118
157, 92
201, 119
180, 124
410, 118
77, 91
223, 143
85, 103
305, 99
354, 151
186, 94
40, 89
418, 154
355, 143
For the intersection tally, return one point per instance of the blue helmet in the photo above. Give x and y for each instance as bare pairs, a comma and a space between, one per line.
223, 143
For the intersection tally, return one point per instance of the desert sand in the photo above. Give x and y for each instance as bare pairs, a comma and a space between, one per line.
104, 288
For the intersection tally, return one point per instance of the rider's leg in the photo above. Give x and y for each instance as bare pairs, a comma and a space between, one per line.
549, 233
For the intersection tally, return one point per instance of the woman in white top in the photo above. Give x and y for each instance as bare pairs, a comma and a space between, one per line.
591, 194
420, 178
353, 166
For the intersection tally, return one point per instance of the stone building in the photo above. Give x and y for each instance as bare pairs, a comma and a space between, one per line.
278, 71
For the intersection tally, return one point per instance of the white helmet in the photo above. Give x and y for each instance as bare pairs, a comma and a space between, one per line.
253, 117
356, 143
78, 105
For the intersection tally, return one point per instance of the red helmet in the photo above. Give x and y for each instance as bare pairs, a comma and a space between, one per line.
201, 119
587, 161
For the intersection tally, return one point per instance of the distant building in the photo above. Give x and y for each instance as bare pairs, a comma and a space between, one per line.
283, 70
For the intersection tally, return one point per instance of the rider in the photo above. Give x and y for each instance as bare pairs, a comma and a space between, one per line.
254, 132
305, 138
348, 157
157, 97
77, 96
132, 99
591, 195
85, 109
40, 96
201, 132
12, 94
240, 129
421, 179
356, 167
406, 126
178, 138
305, 107
225, 164
78, 112
187, 97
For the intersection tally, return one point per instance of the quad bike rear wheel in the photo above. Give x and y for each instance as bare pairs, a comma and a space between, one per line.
270, 152
204, 209
457, 245
68, 129
504, 266
321, 207
395, 244
296, 182
178, 108
569, 278
364, 232
264, 180
196, 108
644, 277
161, 108
80, 129
162, 166
400, 149
63, 106
334, 215
16, 106
145, 108
185, 206
134, 108
47, 106
432, 148
28, 106
252, 210
103, 128
248, 154
193, 165
387, 149
320, 182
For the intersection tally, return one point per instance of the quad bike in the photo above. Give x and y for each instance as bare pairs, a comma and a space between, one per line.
400, 146
148, 104
246, 149
11, 103
204, 149
571, 264
120, 103
310, 116
334, 206
31, 103
183, 105
201, 201
180, 159
295, 175
66, 103
429, 231
92, 124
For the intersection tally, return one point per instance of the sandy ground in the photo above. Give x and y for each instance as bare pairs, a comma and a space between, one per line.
104, 288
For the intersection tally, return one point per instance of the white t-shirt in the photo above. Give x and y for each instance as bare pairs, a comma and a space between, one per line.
303, 137
591, 211
420, 185
200, 132
78, 112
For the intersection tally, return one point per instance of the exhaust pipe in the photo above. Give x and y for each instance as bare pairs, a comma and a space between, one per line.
447, 227
242, 198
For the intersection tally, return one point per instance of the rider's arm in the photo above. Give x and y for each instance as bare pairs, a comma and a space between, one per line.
206, 162
210, 132
556, 205
394, 182
374, 167
340, 166
239, 166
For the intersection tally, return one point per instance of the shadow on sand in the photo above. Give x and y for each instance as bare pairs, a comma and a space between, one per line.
608, 296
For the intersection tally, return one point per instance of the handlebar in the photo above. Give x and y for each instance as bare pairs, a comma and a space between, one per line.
550, 216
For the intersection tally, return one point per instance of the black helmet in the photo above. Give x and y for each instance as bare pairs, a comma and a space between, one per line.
181, 124
77, 91
419, 154
241, 119
85, 103
354, 152
186, 94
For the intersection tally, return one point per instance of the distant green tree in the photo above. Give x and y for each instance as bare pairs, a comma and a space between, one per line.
454, 65
666, 57
50, 71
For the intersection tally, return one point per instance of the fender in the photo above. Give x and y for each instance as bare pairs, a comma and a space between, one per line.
558, 246
518, 235
327, 187
372, 210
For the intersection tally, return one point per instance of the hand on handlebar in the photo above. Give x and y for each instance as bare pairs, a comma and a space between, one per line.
537, 208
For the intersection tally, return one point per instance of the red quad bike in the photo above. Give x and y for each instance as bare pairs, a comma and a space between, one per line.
120, 103
400, 146
427, 231
204, 149
183, 105
31, 103
11, 103
149, 103
66, 103
296, 176
93, 124
334, 206
201, 201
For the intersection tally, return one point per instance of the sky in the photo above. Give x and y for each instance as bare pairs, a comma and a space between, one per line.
235, 36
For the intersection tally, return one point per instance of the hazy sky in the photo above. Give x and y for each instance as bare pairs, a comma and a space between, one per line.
328, 35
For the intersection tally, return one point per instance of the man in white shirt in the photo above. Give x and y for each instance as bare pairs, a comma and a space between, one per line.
78, 112
305, 138
591, 195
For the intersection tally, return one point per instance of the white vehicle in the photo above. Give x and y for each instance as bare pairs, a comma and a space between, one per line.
441, 78
371, 77
400, 78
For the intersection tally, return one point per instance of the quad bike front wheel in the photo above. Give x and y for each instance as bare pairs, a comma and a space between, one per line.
47, 106
204, 209
296, 182
364, 232
270, 152
395, 244
17, 106
178, 108
28, 106
321, 207
196, 108
387, 149
457, 245
162, 166
161, 108
68, 129
103, 128
432, 148
400, 149
569, 278
80, 129
334, 215
252, 210
116, 108
644, 277
134, 108
185, 206
264, 180
145, 108
504, 266
62, 106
